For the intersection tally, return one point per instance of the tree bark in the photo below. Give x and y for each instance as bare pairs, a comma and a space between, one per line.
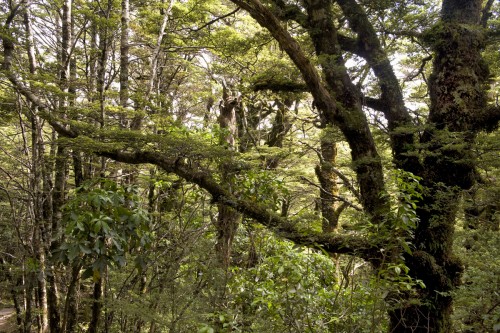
96, 306
227, 219
330, 206
458, 99
281, 126
338, 100
124, 54
71, 305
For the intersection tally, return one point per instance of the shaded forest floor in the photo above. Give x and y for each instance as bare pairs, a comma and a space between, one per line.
7, 324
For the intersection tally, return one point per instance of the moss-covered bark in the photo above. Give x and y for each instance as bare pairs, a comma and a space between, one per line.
458, 102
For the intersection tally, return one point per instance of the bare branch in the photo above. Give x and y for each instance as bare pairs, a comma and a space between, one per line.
344, 200
215, 20
486, 13
420, 69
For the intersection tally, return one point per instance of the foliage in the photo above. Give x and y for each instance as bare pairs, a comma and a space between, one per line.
104, 222
341, 114
477, 300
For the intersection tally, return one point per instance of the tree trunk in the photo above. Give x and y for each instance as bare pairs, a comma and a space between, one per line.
28, 303
227, 219
71, 304
96, 306
40, 204
457, 102
281, 126
330, 206
124, 54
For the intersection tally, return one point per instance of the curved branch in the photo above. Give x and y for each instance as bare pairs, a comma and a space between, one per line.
376, 104
368, 46
350, 45
285, 228
311, 76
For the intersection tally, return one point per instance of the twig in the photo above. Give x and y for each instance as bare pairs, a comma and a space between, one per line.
353, 205
216, 19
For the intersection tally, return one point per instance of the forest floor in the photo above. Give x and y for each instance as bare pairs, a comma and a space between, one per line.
7, 324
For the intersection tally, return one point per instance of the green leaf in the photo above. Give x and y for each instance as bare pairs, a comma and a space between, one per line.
73, 252
85, 249
80, 226
97, 226
406, 247
87, 273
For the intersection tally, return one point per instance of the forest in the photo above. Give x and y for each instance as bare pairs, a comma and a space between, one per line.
250, 166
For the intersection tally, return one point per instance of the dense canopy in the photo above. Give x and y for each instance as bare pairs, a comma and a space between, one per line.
250, 165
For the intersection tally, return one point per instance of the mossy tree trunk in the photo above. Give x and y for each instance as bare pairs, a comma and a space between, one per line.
330, 205
227, 219
457, 113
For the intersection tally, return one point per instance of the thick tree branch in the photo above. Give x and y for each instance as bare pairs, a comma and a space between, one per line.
331, 243
286, 12
311, 76
486, 13
350, 45
369, 47
376, 104
279, 86
351, 119
346, 112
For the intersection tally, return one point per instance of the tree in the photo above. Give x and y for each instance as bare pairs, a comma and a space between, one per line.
458, 109
319, 36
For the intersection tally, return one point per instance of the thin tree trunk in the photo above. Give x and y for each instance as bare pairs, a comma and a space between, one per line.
227, 219
96, 306
40, 187
71, 304
28, 304
330, 206
124, 54
137, 120
157, 49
